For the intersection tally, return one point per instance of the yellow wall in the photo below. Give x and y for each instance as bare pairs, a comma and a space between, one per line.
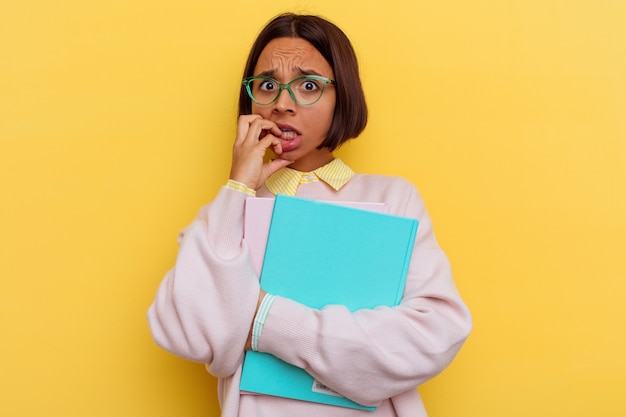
116, 122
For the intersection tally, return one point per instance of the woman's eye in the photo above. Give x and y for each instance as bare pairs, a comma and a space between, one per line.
309, 86
268, 85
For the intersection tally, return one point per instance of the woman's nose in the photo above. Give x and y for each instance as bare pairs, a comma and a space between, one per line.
285, 102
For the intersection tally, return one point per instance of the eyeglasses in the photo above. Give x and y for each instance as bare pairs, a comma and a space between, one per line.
305, 90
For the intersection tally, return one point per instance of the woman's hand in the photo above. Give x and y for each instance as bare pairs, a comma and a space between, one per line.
255, 136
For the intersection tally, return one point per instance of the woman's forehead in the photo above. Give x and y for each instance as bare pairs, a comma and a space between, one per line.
291, 57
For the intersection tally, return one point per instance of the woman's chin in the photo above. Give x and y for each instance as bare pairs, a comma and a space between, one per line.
286, 157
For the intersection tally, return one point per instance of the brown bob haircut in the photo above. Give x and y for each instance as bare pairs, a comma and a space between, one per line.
350, 115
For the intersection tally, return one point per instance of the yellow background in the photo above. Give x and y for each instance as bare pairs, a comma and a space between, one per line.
116, 122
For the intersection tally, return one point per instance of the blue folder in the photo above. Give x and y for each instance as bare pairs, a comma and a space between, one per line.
320, 254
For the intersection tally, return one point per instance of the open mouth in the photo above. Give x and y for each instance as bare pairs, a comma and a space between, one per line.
289, 132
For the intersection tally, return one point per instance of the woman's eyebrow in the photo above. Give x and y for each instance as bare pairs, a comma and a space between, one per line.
268, 73
304, 71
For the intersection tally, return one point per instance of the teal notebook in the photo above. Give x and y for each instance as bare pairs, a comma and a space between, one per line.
319, 254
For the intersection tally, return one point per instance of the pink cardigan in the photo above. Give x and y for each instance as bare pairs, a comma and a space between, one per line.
205, 305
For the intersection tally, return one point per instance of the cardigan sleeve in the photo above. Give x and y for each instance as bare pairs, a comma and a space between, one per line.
372, 355
204, 306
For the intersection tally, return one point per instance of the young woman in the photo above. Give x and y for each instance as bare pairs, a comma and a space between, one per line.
301, 98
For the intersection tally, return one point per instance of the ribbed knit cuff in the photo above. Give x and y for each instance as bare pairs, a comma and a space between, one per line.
259, 319
236, 185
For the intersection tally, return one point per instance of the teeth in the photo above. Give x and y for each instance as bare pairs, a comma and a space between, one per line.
288, 134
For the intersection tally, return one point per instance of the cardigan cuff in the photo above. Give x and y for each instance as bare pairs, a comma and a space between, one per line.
259, 319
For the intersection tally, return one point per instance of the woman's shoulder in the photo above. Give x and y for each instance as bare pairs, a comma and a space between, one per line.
400, 195
382, 181
397, 192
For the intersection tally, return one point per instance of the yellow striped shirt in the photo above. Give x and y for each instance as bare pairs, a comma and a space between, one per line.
286, 181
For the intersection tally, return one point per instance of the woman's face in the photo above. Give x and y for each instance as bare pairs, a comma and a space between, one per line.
304, 127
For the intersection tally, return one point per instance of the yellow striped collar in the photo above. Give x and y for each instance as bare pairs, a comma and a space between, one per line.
286, 181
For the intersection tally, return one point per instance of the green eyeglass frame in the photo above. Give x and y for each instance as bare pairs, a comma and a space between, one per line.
248, 81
